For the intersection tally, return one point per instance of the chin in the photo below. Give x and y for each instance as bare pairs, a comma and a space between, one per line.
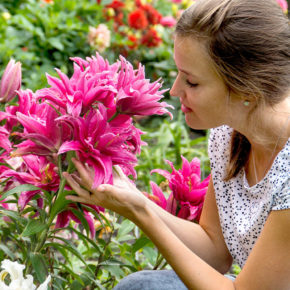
197, 125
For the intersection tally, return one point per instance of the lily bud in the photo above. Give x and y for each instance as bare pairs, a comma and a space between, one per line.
11, 81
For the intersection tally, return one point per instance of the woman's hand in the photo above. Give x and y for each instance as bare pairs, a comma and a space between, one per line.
122, 197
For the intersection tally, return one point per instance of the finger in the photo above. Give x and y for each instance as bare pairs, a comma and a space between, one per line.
77, 178
75, 186
118, 170
107, 188
84, 173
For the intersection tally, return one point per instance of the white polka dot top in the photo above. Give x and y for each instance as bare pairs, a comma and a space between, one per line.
243, 210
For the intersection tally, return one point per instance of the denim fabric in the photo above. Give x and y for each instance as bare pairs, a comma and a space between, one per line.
151, 280
154, 280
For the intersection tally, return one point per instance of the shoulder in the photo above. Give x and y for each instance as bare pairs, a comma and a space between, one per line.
220, 133
279, 177
219, 145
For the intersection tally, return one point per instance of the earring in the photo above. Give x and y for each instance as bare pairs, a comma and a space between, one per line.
246, 103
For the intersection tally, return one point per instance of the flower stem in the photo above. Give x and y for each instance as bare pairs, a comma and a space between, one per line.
159, 260
54, 208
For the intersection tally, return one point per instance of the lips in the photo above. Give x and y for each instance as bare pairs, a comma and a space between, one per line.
185, 109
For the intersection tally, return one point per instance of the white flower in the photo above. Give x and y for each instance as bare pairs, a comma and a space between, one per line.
99, 37
18, 282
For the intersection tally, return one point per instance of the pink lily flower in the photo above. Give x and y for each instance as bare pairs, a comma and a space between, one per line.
93, 81
43, 133
35, 170
63, 218
188, 191
4, 139
98, 145
27, 104
136, 95
123, 125
10, 82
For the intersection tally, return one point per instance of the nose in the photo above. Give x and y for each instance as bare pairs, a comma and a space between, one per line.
174, 89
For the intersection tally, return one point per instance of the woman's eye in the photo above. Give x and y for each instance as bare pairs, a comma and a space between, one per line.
191, 85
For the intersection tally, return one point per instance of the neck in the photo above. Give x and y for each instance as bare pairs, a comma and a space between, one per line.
267, 138
271, 128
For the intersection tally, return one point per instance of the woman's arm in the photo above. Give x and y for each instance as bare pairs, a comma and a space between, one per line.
205, 239
268, 264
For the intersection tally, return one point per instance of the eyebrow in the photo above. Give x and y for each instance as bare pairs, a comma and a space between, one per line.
186, 72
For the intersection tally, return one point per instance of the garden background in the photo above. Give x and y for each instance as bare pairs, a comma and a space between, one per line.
92, 249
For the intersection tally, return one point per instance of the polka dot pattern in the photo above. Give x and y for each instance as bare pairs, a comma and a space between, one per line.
243, 210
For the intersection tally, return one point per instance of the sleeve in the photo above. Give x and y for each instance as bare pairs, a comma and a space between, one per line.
282, 196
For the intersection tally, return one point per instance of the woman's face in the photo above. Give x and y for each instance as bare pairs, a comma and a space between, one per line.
202, 93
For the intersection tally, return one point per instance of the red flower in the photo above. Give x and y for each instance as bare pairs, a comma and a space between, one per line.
118, 16
116, 5
153, 16
137, 19
133, 39
151, 38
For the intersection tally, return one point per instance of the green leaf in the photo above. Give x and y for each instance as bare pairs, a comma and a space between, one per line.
126, 238
33, 227
56, 43
39, 266
125, 228
150, 254
80, 215
19, 189
140, 243
60, 204
9, 213
7, 251
87, 239
60, 249
115, 271
69, 247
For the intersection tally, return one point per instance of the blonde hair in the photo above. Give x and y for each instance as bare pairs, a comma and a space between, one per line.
249, 44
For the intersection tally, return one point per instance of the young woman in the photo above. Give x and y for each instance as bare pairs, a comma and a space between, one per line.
233, 61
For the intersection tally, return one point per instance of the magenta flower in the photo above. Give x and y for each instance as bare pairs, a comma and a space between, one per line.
43, 134
27, 104
35, 170
188, 191
93, 81
89, 113
136, 95
10, 82
159, 198
99, 145
118, 87
63, 218
4, 139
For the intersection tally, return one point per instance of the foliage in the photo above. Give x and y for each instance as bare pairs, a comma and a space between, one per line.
87, 116
43, 34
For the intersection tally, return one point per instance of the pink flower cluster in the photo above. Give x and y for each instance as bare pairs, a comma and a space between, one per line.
187, 190
89, 113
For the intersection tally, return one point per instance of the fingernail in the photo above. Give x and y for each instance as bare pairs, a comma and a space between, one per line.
101, 188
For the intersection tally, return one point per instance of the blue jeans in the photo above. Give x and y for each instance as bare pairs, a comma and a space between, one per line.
154, 280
